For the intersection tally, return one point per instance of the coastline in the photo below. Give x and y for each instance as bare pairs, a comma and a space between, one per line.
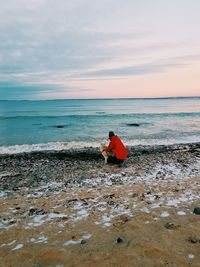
56, 205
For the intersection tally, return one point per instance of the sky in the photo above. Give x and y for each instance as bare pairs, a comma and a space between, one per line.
99, 49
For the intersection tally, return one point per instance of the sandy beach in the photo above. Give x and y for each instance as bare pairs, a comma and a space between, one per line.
68, 208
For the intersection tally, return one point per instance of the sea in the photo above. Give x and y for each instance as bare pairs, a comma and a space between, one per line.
27, 125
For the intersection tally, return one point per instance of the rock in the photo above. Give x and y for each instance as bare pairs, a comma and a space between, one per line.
60, 126
36, 211
134, 195
12, 221
196, 211
83, 241
111, 203
194, 240
171, 225
8, 174
109, 196
133, 124
119, 240
124, 218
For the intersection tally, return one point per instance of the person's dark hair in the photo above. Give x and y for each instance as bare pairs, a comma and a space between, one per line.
111, 134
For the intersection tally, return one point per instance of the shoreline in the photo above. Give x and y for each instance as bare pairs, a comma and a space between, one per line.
35, 168
95, 150
56, 205
79, 146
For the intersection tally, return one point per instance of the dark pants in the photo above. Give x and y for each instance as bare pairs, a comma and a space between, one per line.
114, 160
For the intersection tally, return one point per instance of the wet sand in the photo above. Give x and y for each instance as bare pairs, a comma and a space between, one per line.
68, 208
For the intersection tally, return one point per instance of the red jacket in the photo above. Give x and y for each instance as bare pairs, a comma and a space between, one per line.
117, 147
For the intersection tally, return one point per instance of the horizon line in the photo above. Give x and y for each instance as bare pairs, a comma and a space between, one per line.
108, 98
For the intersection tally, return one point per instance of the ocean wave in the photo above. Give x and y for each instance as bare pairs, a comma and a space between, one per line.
58, 146
169, 114
55, 146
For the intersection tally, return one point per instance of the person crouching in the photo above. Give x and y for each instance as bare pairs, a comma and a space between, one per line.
115, 152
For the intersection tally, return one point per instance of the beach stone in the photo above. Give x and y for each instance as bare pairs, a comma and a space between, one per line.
36, 211
60, 126
134, 195
83, 241
109, 196
133, 124
196, 211
124, 218
111, 203
171, 225
194, 240
119, 240
12, 221
8, 174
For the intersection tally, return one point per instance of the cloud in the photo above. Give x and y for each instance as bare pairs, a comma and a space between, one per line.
48, 43
10, 91
147, 68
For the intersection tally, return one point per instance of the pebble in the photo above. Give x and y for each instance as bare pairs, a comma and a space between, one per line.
196, 211
36, 211
124, 218
119, 240
83, 241
194, 240
171, 225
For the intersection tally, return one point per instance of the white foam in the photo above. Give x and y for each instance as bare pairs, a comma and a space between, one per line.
101, 209
173, 202
106, 220
55, 216
107, 224
72, 242
3, 194
156, 205
83, 214
145, 210
11, 243
164, 214
87, 236
57, 146
7, 223
78, 206
191, 256
41, 239
37, 221
18, 247
181, 213
80, 215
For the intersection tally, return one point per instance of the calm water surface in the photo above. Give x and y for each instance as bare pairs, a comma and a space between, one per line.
32, 125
